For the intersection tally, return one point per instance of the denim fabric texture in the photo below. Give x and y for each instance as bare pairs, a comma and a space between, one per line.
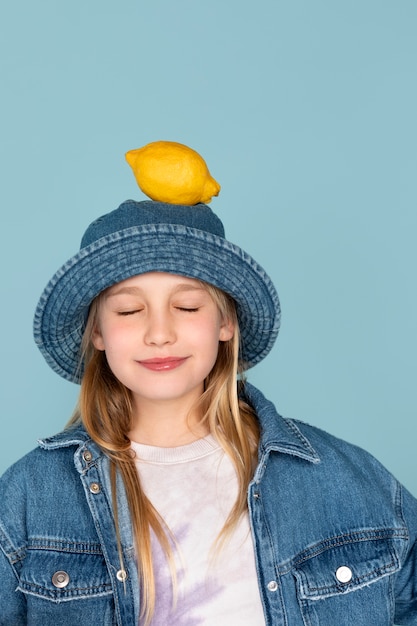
335, 534
148, 236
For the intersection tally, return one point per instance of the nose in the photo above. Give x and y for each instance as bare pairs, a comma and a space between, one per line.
160, 329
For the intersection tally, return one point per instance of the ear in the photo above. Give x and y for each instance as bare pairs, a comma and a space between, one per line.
97, 339
227, 330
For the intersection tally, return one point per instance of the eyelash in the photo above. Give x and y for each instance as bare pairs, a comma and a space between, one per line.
187, 310
179, 308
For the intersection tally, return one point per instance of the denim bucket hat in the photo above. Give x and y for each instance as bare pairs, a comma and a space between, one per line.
148, 236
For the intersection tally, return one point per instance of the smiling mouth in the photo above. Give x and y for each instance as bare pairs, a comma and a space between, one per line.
163, 364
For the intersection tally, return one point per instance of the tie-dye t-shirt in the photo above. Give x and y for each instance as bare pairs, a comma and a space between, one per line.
194, 487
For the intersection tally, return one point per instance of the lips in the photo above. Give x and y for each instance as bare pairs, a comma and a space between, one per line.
163, 364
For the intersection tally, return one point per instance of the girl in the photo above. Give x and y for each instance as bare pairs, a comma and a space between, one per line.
177, 494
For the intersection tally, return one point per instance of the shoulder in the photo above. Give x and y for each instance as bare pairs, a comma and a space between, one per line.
301, 439
346, 461
43, 471
333, 449
318, 458
44, 458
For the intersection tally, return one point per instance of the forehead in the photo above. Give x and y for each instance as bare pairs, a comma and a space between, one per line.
155, 281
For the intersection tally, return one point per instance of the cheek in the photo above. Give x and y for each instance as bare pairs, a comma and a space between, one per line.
111, 338
208, 334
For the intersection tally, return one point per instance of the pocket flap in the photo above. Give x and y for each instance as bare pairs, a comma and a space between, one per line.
343, 564
60, 576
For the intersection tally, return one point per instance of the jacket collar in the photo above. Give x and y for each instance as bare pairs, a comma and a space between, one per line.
277, 433
73, 436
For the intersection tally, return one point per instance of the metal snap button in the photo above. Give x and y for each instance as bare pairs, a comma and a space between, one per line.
272, 585
60, 579
95, 488
121, 575
344, 574
87, 456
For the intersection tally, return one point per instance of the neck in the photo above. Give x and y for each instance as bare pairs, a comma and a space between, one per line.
166, 425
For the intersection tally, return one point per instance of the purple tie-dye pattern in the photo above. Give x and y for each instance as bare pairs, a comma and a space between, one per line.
196, 597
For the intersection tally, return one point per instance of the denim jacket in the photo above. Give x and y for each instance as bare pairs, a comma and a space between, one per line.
335, 534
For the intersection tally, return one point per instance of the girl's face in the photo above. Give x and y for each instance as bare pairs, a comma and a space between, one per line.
161, 334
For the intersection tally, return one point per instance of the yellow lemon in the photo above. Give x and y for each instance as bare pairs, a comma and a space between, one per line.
167, 171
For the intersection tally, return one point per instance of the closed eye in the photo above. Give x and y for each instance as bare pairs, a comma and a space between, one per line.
187, 309
125, 313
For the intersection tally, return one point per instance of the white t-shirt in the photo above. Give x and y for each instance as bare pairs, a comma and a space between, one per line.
193, 488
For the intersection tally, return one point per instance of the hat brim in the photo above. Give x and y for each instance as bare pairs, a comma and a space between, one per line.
62, 310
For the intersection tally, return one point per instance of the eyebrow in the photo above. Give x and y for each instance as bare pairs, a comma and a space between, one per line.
135, 291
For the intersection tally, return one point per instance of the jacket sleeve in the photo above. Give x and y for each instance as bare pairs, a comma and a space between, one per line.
12, 548
406, 582
13, 603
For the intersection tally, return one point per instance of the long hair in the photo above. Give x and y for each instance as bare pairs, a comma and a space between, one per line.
106, 410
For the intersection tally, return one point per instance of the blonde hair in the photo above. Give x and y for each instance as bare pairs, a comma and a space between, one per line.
105, 408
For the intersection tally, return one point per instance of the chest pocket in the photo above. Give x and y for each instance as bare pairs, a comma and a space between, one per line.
346, 580
67, 584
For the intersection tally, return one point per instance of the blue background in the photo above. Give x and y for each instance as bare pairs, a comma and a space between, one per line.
305, 113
